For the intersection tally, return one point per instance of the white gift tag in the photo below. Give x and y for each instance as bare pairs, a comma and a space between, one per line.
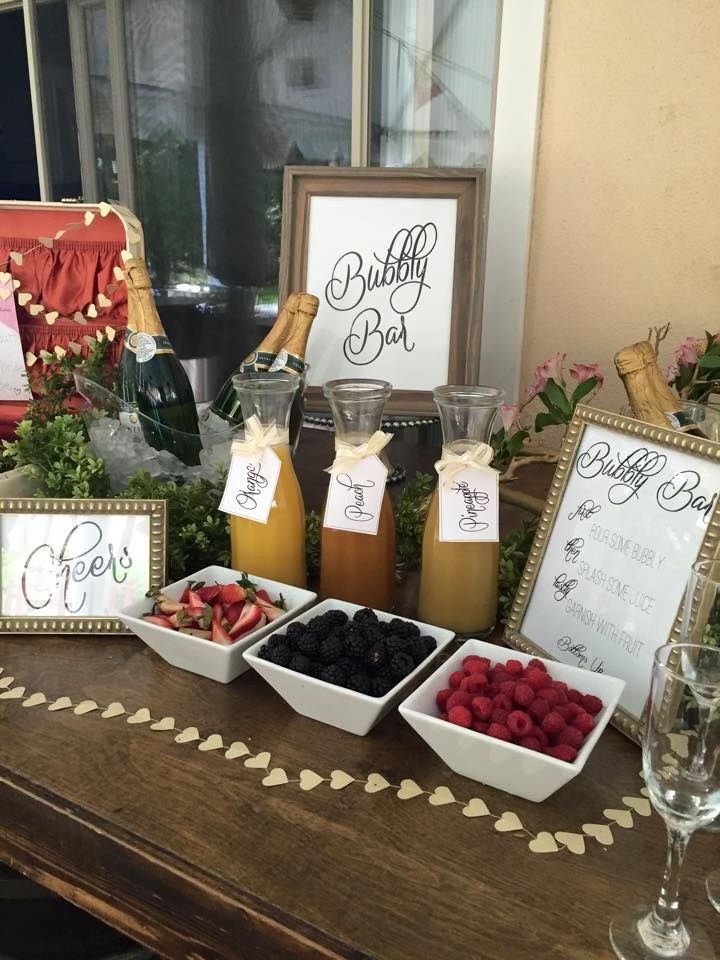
250, 487
469, 506
355, 497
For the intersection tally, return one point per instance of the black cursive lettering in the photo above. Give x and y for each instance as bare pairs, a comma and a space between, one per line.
563, 586
586, 509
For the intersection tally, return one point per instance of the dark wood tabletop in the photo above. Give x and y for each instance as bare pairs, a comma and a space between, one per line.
191, 854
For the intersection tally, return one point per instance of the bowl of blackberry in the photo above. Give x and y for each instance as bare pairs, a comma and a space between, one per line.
346, 665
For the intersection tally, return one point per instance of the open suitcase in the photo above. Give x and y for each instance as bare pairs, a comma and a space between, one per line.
66, 263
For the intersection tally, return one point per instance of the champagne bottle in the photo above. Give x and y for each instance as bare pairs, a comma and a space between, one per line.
226, 404
151, 379
291, 356
651, 397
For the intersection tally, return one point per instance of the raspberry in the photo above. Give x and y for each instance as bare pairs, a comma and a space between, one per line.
570, 737
460, 716
519, 724
456, 679
523, 694
480, 727
474, 684
498, 676
530, 743
584, 723
514, 668
553, 723
573, 709
482, 707
560, 685
592, 704
551, 695
574, 696
441, 698
540, 735
539, 709
476, 664
502, 702
458, 699
538, 664
500, 716
499, 731
507, 687
443, 716
537, 679
562, 752
564, 712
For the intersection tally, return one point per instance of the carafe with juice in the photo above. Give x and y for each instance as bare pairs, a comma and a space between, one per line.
354, 566
275, 549
459, 580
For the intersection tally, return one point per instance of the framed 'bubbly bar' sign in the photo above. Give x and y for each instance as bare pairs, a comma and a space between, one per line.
631, 507
68, 566
394, 257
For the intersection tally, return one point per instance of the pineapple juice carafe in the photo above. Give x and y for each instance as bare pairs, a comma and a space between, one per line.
267, 523
357, 552
459, 579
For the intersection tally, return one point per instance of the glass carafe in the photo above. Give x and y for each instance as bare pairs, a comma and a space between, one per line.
359, 567
275, 549
459, 581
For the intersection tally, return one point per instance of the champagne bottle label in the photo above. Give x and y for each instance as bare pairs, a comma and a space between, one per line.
257, 360
288, 362
145, 346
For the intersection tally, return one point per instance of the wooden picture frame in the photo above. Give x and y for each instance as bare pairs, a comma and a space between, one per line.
570, 608
460, 337
73, 578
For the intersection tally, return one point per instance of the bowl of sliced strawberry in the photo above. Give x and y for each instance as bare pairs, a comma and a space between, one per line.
205, 622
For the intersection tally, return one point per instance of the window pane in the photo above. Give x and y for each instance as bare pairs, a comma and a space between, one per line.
433, 82
101, 99
18, 166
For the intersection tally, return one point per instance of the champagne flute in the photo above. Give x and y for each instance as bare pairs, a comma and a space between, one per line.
681, 763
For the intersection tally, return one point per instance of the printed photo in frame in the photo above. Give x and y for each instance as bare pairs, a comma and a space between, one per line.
630, 508
67, 566
395, 257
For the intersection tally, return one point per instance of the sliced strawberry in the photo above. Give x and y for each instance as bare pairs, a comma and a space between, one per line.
233, 611
248, 620
219, 635
232, 593
193, 632
208, 594
194, 599
170, 606
217, 613
262, 594
185, 595
158, 621
270, 610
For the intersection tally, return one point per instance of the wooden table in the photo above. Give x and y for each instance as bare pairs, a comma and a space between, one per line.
187, 851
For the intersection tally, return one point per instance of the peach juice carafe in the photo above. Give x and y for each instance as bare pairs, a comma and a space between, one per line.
459, 580
359, 567
275, 549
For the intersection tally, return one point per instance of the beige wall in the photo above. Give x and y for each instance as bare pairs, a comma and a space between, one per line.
626, 228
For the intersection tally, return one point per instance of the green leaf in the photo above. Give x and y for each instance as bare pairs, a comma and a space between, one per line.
557, 397
582, 390
709, 361
543, 420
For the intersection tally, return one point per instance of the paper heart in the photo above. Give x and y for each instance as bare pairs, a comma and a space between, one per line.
408, 790
74, 348
85, 706
260, 762
6, 682
15, 694
58, 234
104, 208
16, 284
640, 805
440, 796
51, 317
309, 779
375, 783
4, 277
600, 831
92, 310
507, 822
79, 317
140, 716
16, 257
5, 294
104, 301
475, 808
187, 735
34, 308
679, 744
114, 710
544, 842
644, 791
623, 818
575, 842
167, 723
235, 750
35, 699
88, 218
125, 255
24, 298
213, 742
59, 352
62, 703
46, 242
339, 780
118, 273
276, 778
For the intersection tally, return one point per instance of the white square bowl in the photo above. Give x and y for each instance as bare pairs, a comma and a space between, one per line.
354, 712
506, 766
213, 660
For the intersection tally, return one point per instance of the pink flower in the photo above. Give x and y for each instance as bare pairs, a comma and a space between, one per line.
672, 371
550, 369
689, 351
509, 414
584, 371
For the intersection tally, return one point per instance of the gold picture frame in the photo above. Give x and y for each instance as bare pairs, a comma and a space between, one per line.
617, 424
58, 571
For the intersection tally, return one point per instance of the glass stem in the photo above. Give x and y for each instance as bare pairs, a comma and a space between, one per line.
667, 908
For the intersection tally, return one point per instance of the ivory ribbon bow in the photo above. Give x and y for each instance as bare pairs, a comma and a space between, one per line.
258, 438
451, 464
347, 455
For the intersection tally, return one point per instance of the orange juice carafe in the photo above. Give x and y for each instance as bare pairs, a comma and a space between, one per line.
358, 565
276, 549
459, 579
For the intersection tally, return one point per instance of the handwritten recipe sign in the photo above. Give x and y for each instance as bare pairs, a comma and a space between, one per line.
66, 565
635, 512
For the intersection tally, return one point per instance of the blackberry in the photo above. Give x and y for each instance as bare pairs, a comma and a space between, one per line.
382, 682
403, 628
373, 633
300, 663
430, 644
386, 628
314, 669
333, 674
331, 649
280, 654
276, 640
398, 644
401, 665
295, 631
356, 643
417, 650
335, 618
316, 625
348, 664
359, 682
309, 644
376, 656
366, 615
263, 652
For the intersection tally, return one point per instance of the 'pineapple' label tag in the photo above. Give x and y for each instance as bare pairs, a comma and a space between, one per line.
469, 506
251, 483
355, 497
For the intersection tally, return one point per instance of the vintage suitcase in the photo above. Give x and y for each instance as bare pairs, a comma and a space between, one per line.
66, 262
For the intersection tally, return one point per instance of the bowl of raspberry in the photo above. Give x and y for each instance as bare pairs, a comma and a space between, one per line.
346, 665
515, 722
